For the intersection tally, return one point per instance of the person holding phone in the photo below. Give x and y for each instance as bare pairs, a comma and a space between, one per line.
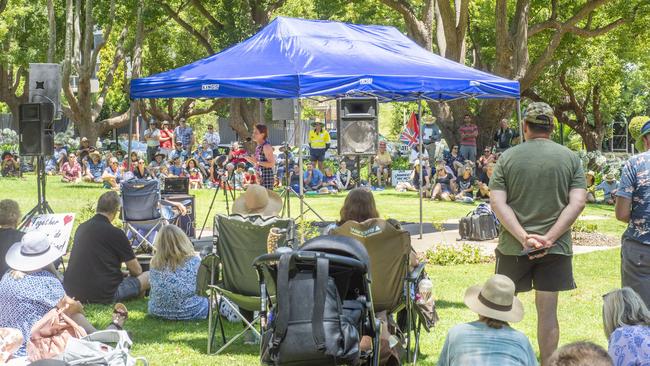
538, 190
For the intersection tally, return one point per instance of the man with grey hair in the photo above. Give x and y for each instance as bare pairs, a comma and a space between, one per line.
9, 219
538, 190
94, 272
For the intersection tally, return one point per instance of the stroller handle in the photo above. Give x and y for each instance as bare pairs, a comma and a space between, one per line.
310, 256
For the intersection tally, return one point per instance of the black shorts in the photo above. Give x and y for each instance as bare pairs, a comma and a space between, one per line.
317, 154
552, 272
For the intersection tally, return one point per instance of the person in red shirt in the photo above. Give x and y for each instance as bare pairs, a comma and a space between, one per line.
468, 134
166, 138
237, 154
250, 177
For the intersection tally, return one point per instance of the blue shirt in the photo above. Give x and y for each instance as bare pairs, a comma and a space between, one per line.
23, 302
176, 170
117, 174
52, 164
182, 154
477, 344
203, 156
96, 170
629, 345
317, 177
635, 186
172, 293
184, 135
607, 188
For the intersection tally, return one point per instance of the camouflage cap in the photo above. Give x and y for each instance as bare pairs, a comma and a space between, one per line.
539, 113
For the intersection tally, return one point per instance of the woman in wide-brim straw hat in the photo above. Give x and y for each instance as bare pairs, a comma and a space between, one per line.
257, 200
490, 340
31, 289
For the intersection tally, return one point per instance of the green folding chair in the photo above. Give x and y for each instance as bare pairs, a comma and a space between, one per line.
393, 280
233, 281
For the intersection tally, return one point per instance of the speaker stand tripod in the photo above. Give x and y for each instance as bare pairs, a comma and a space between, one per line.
214, 197
42, 206
287, 191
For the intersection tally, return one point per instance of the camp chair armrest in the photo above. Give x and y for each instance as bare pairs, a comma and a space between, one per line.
416, 273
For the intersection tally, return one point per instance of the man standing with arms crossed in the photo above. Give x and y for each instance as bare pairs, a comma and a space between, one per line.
633, 207
538, 190
468, 134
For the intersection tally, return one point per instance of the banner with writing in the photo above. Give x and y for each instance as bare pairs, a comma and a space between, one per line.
58, 228
400, 176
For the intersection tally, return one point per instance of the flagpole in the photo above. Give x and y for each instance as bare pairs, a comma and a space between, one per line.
419, 118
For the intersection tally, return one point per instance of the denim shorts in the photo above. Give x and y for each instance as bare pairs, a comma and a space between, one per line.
128, 289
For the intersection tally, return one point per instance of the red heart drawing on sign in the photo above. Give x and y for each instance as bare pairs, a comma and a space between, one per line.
67, 219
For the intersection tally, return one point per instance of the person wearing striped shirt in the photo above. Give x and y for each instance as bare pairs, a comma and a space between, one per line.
468, 134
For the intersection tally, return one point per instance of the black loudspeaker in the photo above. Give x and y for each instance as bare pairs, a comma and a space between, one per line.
186, 223
357, 126
36, 129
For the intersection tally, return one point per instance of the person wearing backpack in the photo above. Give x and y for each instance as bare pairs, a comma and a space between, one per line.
537, 192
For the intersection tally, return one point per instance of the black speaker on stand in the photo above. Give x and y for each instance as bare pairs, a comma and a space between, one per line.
36, 138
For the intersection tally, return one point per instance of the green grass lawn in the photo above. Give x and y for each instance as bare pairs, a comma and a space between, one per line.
184, 343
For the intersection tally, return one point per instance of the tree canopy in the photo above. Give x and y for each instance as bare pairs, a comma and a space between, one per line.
584, 57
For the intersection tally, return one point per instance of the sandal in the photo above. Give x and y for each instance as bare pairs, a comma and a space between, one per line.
120, 315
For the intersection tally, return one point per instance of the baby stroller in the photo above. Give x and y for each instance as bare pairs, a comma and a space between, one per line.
316, 304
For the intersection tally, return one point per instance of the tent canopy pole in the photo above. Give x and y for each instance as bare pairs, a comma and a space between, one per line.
419, 119
130, 132
519, 123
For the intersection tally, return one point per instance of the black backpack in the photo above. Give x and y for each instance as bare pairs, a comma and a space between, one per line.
479, 224
310, 324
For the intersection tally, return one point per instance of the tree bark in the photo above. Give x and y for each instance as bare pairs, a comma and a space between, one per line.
51, 17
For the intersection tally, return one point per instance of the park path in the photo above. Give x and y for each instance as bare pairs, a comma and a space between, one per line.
449, 237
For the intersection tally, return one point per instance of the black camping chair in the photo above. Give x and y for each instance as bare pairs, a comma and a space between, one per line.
141, 214
238, 240
348, 265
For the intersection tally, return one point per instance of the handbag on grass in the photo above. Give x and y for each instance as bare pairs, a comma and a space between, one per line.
50, 335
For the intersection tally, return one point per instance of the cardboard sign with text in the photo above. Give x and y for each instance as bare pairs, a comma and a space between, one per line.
400, 176
58, 228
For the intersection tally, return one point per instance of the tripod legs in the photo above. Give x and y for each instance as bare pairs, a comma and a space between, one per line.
42, 206
287, 197
214, 197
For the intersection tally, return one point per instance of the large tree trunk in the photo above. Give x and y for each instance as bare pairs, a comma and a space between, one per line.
51, 17
244, 115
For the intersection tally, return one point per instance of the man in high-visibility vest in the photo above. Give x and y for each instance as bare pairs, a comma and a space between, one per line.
319, 142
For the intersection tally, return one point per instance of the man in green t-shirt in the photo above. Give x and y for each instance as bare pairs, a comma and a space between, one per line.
538, 190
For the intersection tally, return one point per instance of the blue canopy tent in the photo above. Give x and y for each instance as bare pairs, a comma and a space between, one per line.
297, 58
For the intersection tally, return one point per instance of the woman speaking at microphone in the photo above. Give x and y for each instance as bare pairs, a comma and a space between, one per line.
264, 160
